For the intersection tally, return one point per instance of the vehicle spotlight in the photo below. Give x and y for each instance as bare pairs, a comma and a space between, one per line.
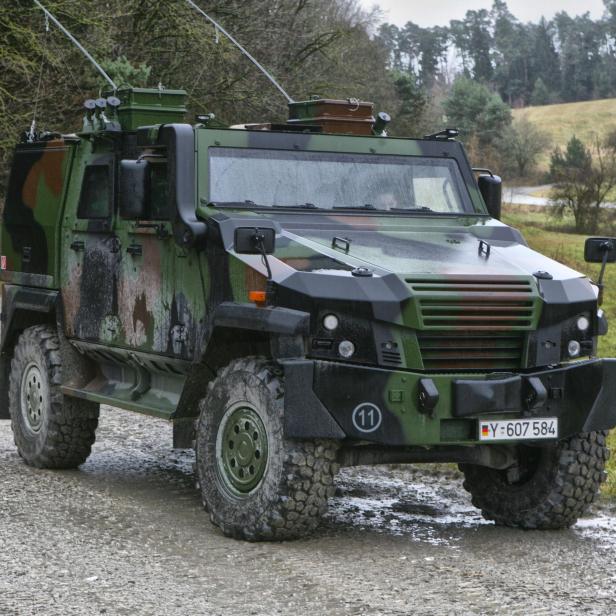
346, 349
583, 323
574, 348
330, 322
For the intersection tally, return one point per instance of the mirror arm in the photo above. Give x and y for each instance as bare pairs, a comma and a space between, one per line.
606, 250
259, 240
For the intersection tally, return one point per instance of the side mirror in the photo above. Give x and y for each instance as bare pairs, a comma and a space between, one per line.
134, 189
597, 248
491, 189
255, 240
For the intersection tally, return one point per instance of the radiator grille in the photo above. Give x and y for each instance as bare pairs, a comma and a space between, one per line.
477, 351
475, 305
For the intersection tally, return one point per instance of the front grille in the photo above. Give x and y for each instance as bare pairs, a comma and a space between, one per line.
471, 351
487, 304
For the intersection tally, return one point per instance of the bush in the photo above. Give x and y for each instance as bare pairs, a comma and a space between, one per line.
583, 178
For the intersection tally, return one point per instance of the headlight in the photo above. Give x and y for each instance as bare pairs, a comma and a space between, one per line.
330, 322
346, 349
583, 323
574, 348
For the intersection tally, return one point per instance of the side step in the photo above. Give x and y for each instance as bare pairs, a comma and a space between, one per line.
153, 402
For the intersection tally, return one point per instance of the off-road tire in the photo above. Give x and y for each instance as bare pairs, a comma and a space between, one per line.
564, 482
65, 427
292, 493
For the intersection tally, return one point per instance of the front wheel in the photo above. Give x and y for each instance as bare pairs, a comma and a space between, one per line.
257, 484
550, 488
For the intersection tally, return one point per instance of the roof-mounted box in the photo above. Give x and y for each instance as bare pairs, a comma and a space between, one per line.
334, 116
147, 106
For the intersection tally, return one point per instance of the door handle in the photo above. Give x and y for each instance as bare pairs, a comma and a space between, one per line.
115, 244
78, 245
136, 250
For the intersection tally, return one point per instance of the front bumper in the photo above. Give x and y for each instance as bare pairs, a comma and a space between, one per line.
334, 400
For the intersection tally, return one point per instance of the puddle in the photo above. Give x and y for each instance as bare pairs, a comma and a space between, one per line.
600, 528
428, 507
425, 507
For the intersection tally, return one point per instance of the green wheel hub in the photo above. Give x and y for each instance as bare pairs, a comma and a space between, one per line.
33, 397
242, 449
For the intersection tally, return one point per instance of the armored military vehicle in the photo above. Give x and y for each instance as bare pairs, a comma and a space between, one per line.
294, 297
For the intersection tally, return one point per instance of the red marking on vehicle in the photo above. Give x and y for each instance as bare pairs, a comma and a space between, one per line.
3, 262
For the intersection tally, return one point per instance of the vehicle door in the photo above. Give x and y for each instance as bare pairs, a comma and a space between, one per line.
145, 280
90, 251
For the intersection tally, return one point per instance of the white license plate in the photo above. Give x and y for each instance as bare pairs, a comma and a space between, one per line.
518, 429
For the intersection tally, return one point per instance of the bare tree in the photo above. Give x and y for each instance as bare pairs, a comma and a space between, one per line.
521, 145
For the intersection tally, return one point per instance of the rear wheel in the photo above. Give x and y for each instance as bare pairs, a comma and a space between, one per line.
257, 484
550, 488
50, 430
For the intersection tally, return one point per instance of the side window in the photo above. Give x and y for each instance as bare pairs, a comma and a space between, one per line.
159, 192
95, 198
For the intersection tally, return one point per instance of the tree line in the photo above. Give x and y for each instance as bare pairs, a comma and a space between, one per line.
564, 59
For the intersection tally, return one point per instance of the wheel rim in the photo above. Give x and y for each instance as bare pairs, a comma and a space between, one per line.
33, 397
241, 451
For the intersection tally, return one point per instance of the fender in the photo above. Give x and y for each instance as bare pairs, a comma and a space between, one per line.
283, 321
237, 330
21, 308
281, 332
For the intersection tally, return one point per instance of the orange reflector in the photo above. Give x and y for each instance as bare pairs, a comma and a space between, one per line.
258, 297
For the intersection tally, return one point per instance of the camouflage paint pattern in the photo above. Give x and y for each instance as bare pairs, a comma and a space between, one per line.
435, 306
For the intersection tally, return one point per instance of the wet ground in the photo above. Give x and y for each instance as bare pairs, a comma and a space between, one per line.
126, 535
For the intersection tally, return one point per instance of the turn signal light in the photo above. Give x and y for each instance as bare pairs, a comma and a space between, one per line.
257, 297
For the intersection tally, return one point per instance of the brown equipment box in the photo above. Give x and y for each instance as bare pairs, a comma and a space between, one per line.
334, 116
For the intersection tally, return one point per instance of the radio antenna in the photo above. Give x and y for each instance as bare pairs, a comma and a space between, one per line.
79, 46
251, 58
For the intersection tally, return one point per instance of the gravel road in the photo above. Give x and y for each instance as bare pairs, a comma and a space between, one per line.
126, 535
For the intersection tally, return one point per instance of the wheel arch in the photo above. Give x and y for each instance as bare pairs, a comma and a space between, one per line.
238, 330
22, 307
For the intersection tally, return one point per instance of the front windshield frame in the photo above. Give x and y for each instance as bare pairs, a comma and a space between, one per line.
465, 205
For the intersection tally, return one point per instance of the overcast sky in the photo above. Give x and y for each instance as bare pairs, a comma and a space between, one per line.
441, 12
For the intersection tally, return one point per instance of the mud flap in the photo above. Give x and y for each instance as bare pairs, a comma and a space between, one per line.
304, 414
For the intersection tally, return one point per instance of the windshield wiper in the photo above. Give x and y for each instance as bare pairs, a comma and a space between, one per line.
298, 206
248, 204
423, 208
233, 204
366, 206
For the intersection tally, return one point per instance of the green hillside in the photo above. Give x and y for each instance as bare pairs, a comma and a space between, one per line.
561, 122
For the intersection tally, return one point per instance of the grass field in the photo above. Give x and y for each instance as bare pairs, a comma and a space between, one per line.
552, 239
561, 122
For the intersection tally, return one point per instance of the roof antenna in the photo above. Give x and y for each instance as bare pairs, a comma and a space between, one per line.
78, 45
221, 29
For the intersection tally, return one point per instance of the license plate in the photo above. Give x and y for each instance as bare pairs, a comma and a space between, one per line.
518, 429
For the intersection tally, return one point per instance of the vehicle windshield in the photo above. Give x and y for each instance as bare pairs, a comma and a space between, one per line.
284, 178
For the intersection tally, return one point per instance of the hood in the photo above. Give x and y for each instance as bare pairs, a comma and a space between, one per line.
411, 245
